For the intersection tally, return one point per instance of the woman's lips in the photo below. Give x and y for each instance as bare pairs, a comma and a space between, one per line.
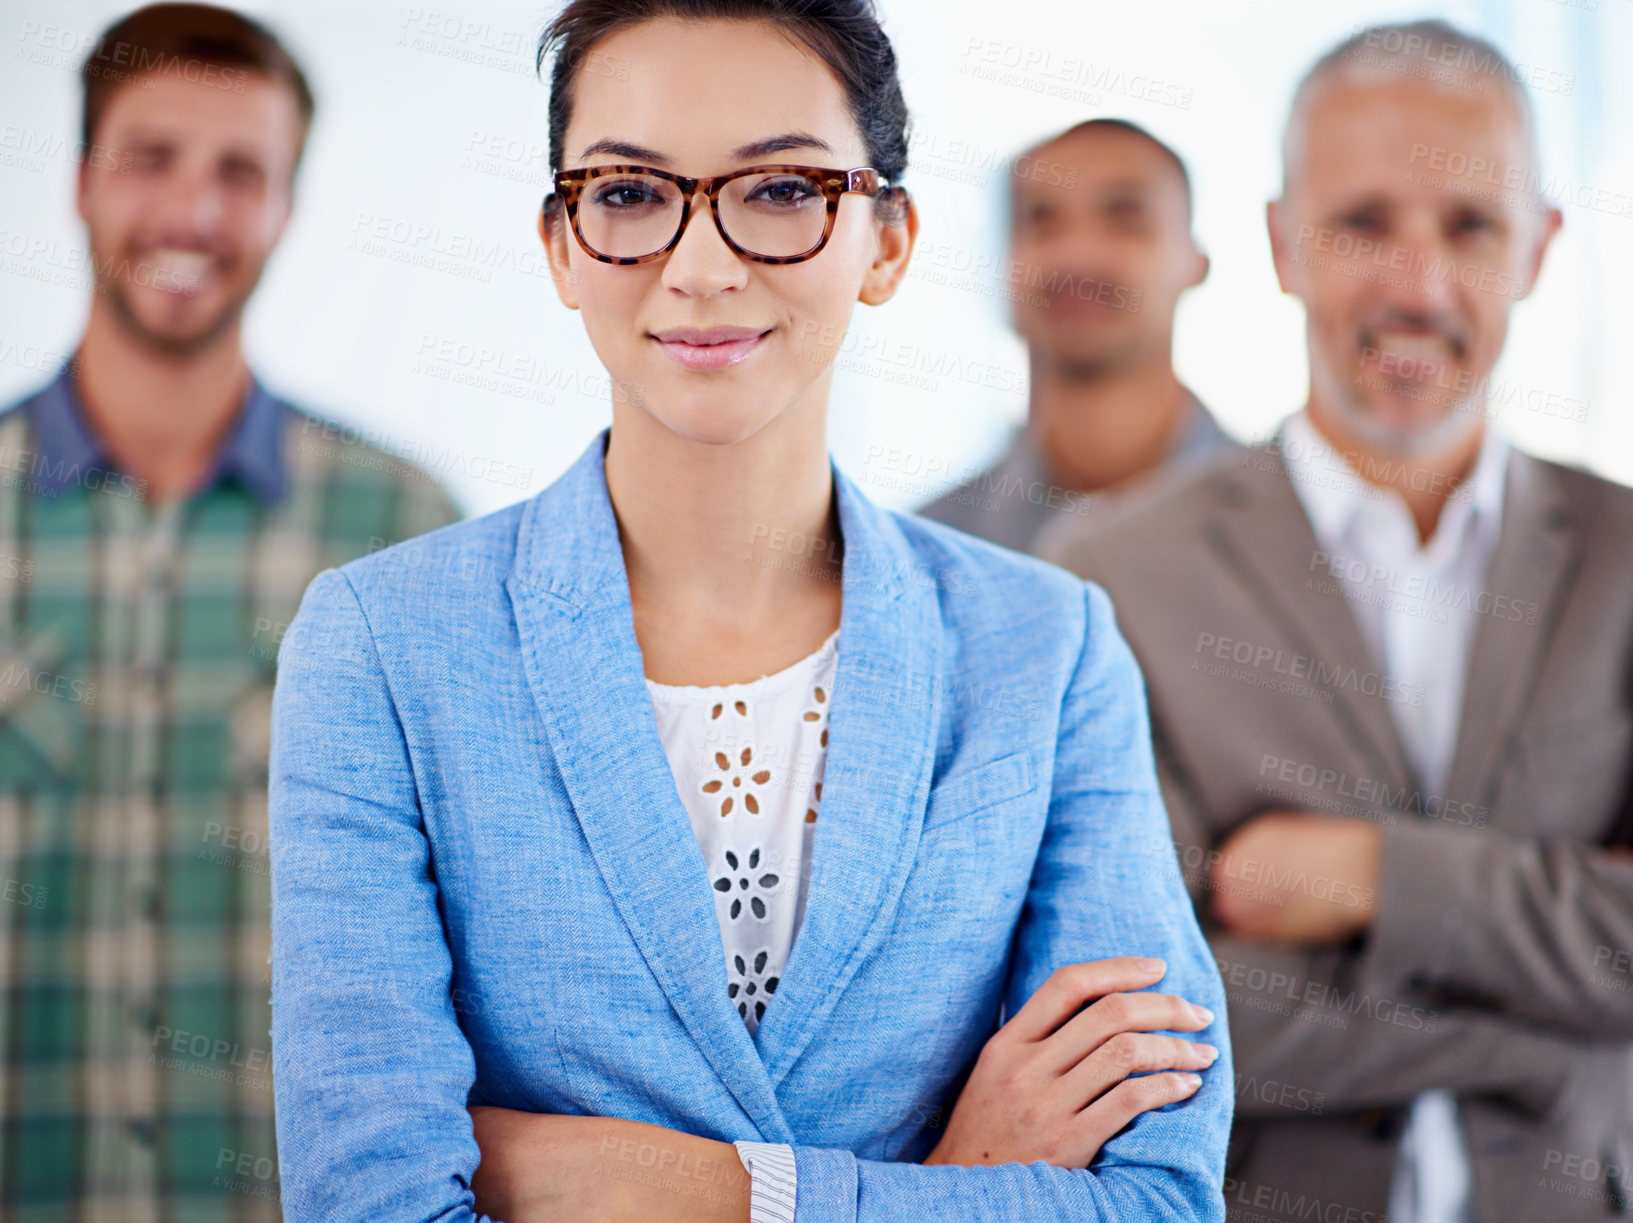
710, 356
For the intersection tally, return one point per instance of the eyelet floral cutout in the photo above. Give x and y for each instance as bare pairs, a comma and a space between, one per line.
820, 714
749, 987
735, 774
745, 882
748, 761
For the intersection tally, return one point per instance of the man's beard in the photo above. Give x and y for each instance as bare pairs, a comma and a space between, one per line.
1092, 364
1078, 368
177, 347
1463, 416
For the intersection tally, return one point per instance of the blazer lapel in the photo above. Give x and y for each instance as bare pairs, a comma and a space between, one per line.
1264, 536
1535, 557
570, 594
876, 779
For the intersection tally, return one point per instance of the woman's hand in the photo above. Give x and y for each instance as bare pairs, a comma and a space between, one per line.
540, 1166
1053, 1083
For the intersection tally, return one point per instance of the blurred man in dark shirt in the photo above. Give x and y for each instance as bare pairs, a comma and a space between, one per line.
1101, 250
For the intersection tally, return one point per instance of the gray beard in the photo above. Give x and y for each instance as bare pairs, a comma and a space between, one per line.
1463, 418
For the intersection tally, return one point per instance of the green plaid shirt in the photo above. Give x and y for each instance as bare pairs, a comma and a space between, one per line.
137, 645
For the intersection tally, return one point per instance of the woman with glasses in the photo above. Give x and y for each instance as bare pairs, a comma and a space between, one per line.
696, 840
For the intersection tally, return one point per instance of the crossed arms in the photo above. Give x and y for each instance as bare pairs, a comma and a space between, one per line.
1479, 961
373, 1086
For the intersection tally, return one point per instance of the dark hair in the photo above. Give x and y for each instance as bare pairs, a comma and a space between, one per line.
163, 38
844, 34
1132, 129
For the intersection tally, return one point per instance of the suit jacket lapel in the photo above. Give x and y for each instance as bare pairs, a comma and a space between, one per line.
876, 783
1264, 537
1535, 556
570, 594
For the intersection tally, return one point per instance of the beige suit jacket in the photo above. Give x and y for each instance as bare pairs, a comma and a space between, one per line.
1499, 964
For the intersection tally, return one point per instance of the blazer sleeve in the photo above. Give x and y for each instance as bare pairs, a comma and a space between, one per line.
1540, 931
1106, 883
1314, 1030
371, 1070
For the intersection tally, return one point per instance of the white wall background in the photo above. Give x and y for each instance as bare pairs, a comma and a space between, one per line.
431, 126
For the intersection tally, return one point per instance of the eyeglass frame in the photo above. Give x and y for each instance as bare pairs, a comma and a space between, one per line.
833, 183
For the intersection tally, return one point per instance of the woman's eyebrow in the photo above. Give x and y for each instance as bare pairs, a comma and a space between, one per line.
776, 144
748, 152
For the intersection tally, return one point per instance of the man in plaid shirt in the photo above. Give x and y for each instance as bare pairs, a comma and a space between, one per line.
161, 514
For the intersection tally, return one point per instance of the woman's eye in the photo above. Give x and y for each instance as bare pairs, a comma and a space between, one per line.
624, 195
784, 191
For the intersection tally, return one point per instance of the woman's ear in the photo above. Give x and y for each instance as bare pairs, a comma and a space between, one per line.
898, 229
553, 233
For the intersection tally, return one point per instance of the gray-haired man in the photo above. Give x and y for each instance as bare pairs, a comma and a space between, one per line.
1388, 658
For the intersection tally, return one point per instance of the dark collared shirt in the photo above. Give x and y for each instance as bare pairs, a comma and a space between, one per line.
1018, 502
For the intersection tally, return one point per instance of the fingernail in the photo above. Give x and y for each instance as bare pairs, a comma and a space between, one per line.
1207, 1051
1202, 1013
1150, 965
1192, 1081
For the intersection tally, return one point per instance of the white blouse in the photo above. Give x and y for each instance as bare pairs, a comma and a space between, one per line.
747, 760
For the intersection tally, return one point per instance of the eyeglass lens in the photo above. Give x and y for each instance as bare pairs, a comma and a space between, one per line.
775, 214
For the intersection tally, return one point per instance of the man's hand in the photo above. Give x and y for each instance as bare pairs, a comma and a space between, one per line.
539, 1166
1053, 1083
1297, 877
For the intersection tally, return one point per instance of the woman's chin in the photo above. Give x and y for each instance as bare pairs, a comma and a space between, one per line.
714, 424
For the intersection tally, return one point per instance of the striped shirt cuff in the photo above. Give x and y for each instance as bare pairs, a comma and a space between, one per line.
772, 1180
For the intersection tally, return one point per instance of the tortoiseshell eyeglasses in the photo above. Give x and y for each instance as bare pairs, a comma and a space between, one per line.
770, 214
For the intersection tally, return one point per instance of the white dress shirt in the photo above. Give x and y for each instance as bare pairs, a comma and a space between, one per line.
1416, 608
748, 760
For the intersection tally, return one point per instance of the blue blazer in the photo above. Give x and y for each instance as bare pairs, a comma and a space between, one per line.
486, 888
